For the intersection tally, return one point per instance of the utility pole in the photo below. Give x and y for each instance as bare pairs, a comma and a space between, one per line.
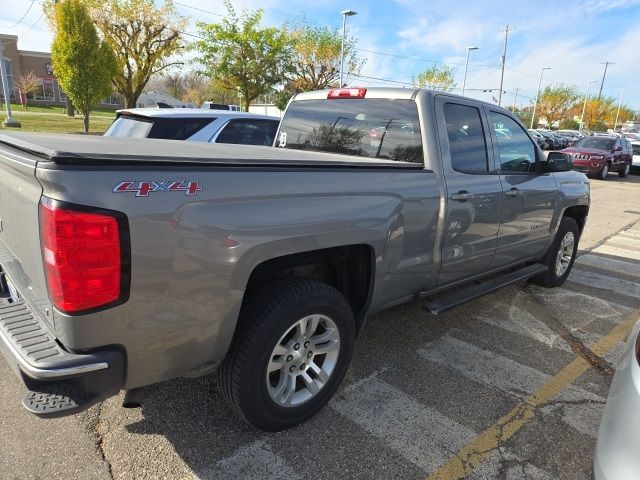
515, 101
618, 114
345, 14
502, 60
9, 121
606, 65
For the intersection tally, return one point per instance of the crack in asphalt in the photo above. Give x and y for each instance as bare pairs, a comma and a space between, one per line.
542, 313
94, 427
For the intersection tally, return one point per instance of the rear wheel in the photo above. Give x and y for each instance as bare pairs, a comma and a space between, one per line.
291, 354
560, 256
625, 171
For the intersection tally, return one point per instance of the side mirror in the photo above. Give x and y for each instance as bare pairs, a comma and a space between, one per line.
617, 149
557, 162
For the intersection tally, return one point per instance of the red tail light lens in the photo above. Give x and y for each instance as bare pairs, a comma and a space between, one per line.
347, 93
82, 255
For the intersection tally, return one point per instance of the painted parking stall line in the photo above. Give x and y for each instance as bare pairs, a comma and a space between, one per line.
255, 461
422, 435
477, 451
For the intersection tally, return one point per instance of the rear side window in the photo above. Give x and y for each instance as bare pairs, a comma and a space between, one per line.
375, 128
248, 132
636, 149
467, 143
177, 128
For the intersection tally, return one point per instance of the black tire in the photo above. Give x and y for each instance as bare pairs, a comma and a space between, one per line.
550, 278
602, 174
625, 171
265, 318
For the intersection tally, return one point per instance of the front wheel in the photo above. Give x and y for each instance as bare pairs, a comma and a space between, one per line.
560, 256
291, 354
602, 174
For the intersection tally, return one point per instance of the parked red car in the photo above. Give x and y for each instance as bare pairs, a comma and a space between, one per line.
599, 155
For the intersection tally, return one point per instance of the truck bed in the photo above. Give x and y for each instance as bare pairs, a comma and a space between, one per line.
93, 150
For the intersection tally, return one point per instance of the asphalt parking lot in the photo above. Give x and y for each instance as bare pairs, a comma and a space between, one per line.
510, 386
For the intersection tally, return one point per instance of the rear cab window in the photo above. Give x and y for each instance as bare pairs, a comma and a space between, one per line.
373, 128
176, 128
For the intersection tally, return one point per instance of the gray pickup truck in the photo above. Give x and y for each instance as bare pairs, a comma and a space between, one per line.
128, 262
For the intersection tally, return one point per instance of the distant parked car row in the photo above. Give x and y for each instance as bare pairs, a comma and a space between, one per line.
555, 140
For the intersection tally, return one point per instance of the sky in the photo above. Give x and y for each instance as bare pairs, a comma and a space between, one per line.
400, 38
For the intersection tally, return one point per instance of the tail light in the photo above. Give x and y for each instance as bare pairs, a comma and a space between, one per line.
638, 348
347, 93
85, 253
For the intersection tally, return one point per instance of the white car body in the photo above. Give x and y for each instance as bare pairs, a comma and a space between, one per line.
635, 162
617, 454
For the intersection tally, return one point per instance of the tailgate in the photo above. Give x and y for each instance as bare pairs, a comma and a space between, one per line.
20, 253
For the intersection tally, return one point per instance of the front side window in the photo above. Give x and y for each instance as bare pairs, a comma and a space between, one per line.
466, 139
374, 128
517, 151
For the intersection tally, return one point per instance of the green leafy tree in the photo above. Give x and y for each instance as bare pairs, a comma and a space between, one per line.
437, 77
83, 64
143, 38
239, 55
316, 59
568, 124
555, 101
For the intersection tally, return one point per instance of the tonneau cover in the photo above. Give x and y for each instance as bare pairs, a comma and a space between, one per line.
92, 150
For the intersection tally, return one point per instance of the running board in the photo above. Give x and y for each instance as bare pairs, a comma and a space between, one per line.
463, 295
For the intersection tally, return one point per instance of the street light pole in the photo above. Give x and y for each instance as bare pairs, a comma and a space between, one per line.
535, 105
584, 107
345, 14
9, 121
466, 67
618, 114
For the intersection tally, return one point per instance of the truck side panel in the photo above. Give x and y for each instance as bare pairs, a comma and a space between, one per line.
192, 255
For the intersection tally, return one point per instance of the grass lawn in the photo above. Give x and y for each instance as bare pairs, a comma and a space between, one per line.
17, 108
56, 123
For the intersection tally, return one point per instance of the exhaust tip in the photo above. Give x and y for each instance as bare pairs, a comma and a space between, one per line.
133, 398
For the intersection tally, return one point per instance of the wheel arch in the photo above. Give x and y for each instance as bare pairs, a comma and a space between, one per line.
348, 268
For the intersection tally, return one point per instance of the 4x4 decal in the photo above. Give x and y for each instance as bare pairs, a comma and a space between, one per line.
144, 188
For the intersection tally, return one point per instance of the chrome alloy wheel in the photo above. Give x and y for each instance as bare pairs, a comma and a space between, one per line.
303, 360
565, 253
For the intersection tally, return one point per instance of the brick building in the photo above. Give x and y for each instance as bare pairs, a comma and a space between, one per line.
21, 61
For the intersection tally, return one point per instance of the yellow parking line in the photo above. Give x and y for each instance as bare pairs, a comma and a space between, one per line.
478, 450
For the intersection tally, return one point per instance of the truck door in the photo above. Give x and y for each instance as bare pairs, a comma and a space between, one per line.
530, 198
473, 190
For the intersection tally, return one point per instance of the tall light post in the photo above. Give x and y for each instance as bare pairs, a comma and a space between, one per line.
535, 105
618, 114
584, 106
345, 14
466, 67
9, 121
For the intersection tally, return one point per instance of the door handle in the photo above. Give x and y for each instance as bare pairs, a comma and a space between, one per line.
514, 192
462, 196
